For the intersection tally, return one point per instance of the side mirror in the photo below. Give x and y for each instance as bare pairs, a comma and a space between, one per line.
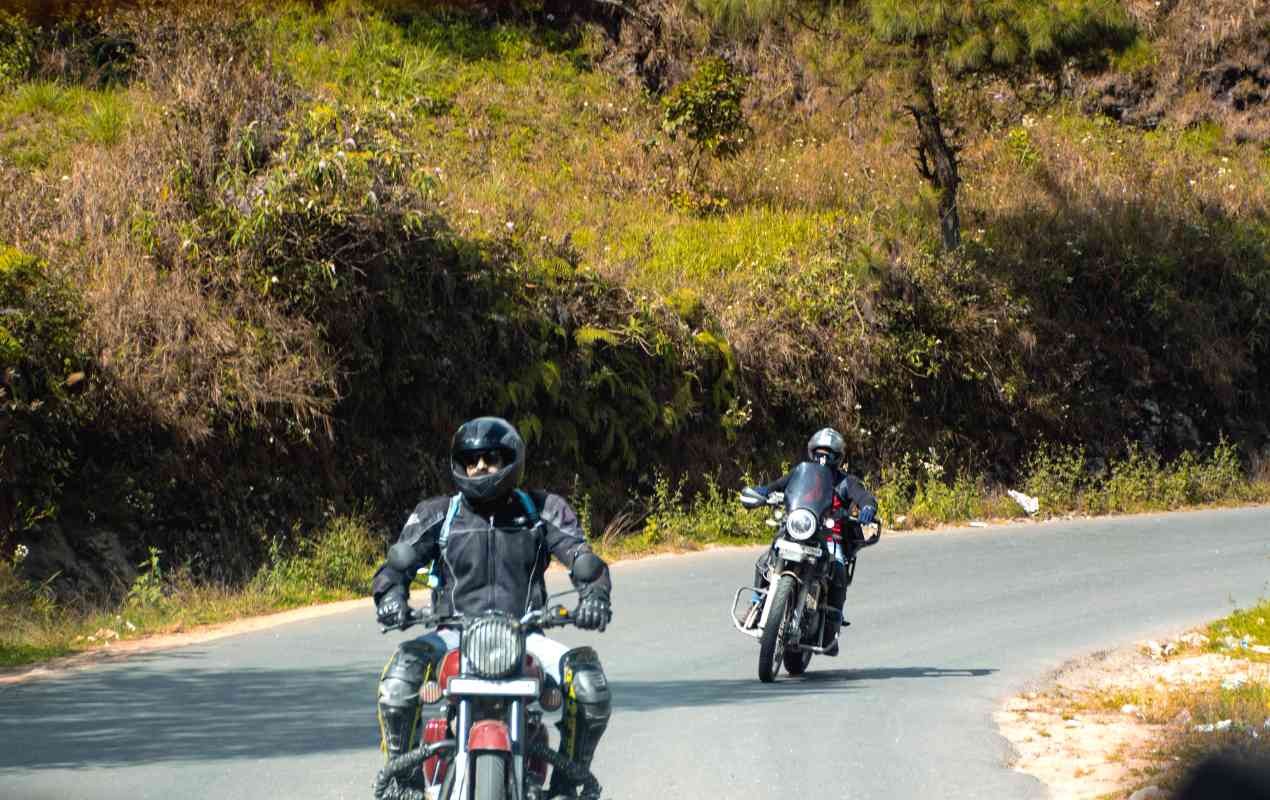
401, 557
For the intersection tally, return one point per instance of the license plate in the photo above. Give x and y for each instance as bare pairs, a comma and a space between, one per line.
792, 551
811, 601
521, 687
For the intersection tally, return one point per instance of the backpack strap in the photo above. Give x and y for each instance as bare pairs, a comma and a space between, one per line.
434, 571
450, 514
527, 502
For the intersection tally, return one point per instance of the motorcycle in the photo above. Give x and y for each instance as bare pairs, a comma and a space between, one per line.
490, 743
788, 617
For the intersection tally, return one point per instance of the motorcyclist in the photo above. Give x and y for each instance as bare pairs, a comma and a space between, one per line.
490, 545
826, 446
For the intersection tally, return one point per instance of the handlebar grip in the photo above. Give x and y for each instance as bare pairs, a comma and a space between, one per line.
558, 616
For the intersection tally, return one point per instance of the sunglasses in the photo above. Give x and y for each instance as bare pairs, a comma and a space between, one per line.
471, 458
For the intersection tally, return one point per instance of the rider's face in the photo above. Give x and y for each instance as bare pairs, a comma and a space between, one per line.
483, 463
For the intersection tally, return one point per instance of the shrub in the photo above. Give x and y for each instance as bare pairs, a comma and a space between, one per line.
709, 517
42, 372
17, 50
706, 111
1055, 474
340, 558
148, 587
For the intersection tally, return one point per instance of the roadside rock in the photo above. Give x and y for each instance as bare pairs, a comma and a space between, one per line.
96, 563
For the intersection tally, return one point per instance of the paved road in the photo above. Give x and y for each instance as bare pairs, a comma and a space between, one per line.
946, 625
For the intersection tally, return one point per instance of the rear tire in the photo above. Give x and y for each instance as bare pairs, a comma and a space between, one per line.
771, 646
491, 776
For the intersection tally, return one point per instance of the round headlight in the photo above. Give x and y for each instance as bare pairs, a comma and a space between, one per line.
493, 646
801, 524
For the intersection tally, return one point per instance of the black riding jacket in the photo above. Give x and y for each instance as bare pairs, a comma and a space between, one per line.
849, 489
494, 558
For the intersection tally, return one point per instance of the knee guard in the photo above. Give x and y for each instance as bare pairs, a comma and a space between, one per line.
587, 706
399, 686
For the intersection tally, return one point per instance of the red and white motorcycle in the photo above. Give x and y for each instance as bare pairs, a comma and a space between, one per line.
490, 743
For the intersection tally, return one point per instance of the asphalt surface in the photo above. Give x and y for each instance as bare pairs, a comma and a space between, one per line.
945, 627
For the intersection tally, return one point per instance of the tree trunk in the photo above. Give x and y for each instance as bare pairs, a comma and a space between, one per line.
936, 159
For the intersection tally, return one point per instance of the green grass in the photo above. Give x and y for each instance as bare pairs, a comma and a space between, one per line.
41, 121
335, 565
719, 253
1250, 626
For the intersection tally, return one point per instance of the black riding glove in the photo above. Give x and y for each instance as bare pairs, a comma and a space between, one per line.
594, 612
392, 608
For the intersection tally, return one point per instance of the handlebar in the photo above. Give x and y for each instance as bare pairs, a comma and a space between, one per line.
556, 616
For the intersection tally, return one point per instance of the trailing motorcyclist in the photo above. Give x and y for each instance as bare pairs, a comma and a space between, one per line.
490, 546
827, 447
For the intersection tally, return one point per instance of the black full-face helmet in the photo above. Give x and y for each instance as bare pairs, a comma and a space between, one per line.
487, 435
827, 446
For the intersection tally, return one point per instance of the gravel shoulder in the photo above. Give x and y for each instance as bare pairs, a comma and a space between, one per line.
1072, 732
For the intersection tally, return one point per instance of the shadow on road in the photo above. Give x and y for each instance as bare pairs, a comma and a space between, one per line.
653, 695
145, 714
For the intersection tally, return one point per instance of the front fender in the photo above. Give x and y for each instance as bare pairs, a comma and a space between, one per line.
489, 734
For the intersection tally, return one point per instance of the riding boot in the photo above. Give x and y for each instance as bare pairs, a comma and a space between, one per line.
833, 624
587, 705
833, 614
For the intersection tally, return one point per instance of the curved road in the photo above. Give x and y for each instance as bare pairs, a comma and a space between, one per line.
945, 627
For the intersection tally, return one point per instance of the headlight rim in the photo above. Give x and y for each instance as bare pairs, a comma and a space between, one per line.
792, 526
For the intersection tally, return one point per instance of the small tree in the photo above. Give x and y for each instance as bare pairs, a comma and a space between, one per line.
706, 110
961, 39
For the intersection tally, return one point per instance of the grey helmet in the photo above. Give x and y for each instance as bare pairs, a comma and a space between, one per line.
831, 440
485, 434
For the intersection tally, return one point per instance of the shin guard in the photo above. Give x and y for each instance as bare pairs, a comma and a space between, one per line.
587, 705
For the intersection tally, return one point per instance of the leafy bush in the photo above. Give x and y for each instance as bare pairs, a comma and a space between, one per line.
41, 374
341, 558
706, 109
1055, 474
17, 50
148, 587
713, 516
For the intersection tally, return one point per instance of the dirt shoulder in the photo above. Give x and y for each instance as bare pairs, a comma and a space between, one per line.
119, 650
1107, 725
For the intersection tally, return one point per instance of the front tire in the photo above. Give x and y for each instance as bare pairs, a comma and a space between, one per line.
771, 646
491, 776
796, 661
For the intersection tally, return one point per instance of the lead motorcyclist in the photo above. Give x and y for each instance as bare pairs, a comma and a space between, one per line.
490, 545
827, 447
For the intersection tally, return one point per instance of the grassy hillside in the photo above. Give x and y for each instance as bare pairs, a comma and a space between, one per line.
260, 262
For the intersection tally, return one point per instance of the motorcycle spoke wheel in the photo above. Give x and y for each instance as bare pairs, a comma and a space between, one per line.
491, 777
772, 643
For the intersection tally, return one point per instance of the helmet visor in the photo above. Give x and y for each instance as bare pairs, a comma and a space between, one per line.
826, 456
482, 462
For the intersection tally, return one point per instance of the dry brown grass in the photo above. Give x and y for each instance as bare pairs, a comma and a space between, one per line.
120, 224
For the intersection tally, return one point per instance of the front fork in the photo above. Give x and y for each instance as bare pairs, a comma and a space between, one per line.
780, 568
517, 724
808, 589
